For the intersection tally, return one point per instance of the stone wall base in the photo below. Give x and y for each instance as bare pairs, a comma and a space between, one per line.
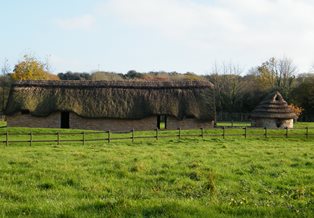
77, 122
27, 120
273, 123
173, 123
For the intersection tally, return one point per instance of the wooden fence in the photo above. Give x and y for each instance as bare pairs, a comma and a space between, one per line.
109, 136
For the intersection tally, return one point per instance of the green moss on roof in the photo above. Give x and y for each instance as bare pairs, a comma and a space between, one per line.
114, 99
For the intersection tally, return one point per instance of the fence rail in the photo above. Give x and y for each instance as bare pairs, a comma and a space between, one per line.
10, 137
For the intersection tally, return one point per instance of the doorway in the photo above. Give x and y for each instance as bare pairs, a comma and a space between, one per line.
279, 123
65, 120
162, 122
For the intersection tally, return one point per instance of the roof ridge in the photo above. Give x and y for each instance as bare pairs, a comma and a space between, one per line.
116, 83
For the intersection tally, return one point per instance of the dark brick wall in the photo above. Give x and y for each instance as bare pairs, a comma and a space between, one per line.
173, 123
77, 122
26, 120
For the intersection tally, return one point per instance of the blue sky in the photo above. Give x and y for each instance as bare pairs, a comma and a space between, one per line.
146, 35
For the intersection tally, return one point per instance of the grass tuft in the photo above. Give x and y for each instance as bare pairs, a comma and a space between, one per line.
46, 186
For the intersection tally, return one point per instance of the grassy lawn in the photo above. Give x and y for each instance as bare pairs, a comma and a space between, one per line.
168, 178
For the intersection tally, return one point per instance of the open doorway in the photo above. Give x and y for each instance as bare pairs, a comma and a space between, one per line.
162, 122
65, 120
279, 123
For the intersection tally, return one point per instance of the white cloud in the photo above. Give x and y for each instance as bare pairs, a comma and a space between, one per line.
84, 22
253, 29
244, 31
172, 18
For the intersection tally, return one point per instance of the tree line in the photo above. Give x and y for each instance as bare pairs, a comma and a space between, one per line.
235, 91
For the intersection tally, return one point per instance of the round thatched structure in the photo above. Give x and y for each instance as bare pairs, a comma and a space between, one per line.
273, 112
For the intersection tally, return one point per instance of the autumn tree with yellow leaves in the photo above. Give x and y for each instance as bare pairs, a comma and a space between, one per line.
31, 69
278, 74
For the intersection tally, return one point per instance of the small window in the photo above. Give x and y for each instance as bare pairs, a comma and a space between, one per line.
162, 122
24, 111
277, 98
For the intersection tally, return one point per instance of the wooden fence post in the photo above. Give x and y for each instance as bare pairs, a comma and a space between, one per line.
132, 131
179, 135
223, 132
7, 138
286, 132
202, 133
83, 136
108, 136
30, 138
245, 132
156, 133
307, 132
265, 134
58, 138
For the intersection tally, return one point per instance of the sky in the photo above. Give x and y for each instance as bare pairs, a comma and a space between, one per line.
156, 35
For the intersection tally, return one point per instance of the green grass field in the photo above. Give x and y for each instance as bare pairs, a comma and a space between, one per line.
235, 177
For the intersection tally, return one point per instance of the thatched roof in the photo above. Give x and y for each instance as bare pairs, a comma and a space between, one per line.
273, 106
114, 99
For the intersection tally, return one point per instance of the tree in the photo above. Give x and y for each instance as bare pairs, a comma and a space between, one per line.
5, 68
296, 109
5, 83
228, 87
30, 69
286, 78
107, 76
133, 74
303, 96
267, 74
69, 75
277, 74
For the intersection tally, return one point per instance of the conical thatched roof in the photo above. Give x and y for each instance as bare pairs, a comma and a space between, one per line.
273, 106
114, 99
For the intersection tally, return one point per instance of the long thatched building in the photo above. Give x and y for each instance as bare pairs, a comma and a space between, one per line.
114, 105
273, 112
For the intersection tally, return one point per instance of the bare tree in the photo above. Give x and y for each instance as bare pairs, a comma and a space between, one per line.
5, 82
5, 68
228, 86
287, 70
